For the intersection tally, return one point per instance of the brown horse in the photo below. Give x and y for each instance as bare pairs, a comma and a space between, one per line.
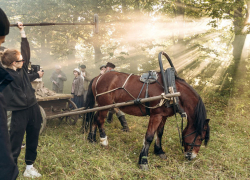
195, 132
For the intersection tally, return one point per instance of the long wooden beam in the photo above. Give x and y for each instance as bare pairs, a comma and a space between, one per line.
143, 100
51, 24
95, 24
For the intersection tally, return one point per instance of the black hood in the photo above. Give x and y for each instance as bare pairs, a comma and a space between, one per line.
4, 24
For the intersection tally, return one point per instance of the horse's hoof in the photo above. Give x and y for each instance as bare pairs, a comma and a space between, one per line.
163, 156
104, 141
144, 167
125, 129
91, 140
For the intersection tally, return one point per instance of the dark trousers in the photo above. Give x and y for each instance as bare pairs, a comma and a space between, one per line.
28, 120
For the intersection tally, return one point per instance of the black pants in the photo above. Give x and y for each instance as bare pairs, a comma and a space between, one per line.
28, 120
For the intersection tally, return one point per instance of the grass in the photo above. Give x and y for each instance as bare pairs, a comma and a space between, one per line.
65, 153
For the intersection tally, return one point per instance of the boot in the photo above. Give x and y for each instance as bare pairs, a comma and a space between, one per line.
124, 123
110, 117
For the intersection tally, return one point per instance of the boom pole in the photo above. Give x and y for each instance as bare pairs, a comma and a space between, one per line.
95, 24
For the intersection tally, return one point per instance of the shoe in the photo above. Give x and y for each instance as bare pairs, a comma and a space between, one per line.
110, 117
31, 173
124, 123
23, 146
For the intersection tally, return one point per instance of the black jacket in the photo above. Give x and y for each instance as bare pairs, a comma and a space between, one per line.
19, 94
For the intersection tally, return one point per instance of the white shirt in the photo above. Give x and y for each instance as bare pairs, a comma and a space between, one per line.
82, 74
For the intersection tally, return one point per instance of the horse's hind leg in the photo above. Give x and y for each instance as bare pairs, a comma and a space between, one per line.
158, 148
92, 132
154, 122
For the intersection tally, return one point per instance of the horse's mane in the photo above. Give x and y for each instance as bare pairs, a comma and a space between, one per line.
200, 110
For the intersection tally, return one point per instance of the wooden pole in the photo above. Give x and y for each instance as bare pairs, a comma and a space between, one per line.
95, 24
51, 24
143, 100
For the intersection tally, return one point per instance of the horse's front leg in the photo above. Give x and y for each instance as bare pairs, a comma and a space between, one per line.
154, 122
92, 132
100, 123
158, 148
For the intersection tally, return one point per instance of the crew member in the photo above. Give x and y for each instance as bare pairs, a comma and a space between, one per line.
21, 100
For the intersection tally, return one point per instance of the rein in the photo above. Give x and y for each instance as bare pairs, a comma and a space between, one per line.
182, 141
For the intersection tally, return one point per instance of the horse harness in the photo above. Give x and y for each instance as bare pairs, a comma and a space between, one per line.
136, 100
149, 78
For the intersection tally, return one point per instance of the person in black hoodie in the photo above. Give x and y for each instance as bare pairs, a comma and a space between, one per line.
8, 168
21, 100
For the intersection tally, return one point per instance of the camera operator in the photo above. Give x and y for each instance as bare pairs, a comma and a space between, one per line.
8, 169
21, 100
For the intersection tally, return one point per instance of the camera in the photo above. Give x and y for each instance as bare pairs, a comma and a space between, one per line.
34, 69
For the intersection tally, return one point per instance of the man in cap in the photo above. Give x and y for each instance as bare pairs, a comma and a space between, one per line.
57, 78
86, 79
110, 67
8, 168
102, 69
120, 115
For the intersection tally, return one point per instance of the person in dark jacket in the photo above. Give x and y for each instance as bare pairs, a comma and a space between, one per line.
8, 168
58, 78
120, 115
77, 88
21, 100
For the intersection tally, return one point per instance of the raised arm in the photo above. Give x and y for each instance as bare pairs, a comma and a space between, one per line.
25, 48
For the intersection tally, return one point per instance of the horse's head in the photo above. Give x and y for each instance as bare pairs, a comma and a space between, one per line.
192, 139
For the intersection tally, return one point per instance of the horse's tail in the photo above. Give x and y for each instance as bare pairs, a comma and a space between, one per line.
90, 101
201, 120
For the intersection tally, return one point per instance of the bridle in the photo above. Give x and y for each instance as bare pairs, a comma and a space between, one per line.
189, 152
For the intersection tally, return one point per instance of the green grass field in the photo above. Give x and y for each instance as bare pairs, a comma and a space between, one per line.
65, 153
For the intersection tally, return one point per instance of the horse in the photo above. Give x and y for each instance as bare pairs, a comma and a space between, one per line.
115, 87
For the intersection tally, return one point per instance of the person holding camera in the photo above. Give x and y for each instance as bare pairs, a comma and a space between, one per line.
8, 168
21, 100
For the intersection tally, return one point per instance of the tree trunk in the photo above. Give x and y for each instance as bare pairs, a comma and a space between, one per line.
238, 44
97, 49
